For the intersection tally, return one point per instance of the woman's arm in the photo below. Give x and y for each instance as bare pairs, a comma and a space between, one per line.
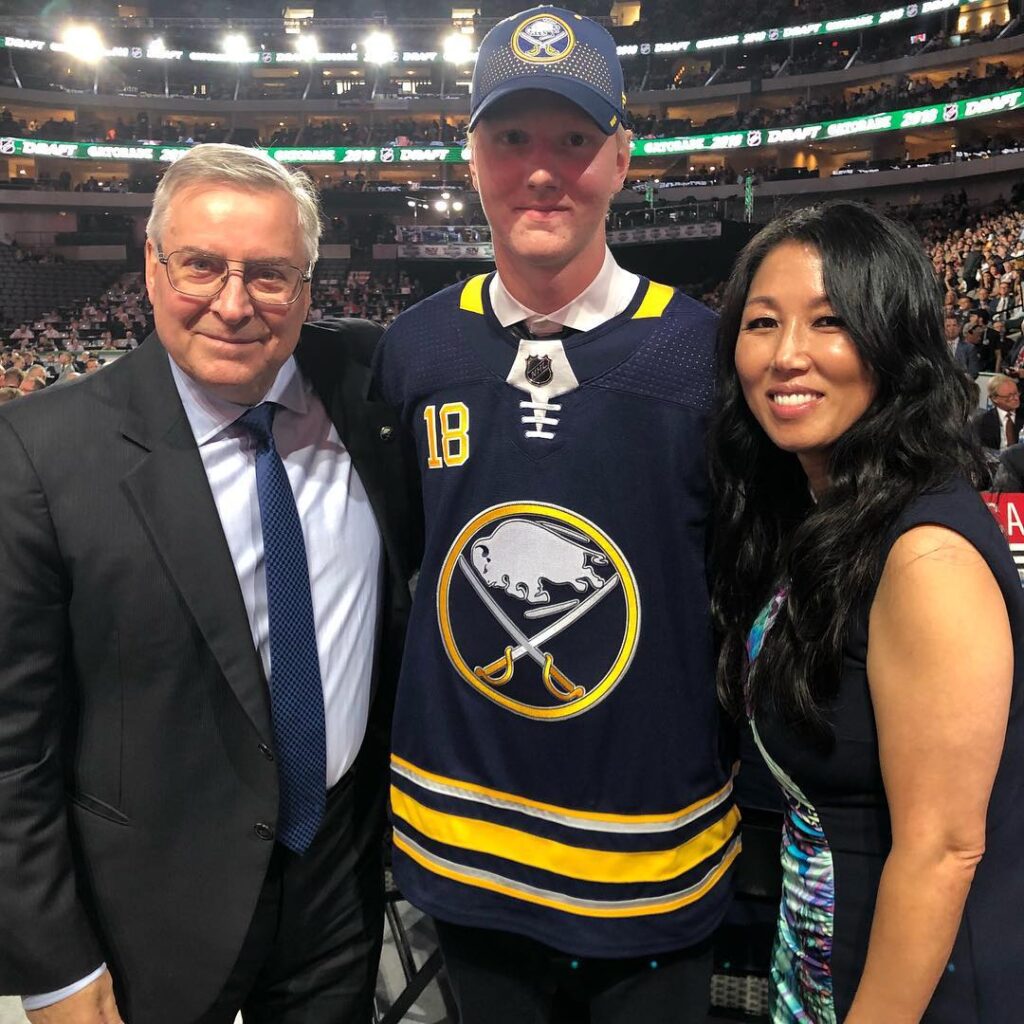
940, 664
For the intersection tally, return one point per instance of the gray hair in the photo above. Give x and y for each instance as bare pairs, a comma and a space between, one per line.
221, 163
996, 381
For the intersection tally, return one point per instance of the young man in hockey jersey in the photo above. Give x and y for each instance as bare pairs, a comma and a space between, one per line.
558, 799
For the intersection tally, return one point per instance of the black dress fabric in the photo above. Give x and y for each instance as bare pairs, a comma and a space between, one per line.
984, 979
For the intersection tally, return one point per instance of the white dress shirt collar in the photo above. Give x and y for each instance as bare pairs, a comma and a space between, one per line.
209, 414
605, 297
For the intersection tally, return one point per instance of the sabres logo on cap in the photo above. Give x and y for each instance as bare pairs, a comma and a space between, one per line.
543, 39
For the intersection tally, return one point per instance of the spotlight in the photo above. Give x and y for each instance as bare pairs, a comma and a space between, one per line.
307, 47
441, 206
457, 48
379, 48
235, 47
83, 42
456, 206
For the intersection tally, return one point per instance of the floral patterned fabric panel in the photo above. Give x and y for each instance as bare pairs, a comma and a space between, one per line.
801, 960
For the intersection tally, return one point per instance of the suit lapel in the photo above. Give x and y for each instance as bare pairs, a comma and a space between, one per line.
172, 495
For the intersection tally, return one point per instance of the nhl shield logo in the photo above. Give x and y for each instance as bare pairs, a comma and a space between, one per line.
754, 137
7, 146
387, 155
543, 39
538, 370
538, 610
950, 112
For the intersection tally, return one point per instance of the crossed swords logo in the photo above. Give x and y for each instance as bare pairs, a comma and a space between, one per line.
501, 670
542, 47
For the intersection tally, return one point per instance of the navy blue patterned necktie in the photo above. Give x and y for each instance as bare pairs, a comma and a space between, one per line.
296, 691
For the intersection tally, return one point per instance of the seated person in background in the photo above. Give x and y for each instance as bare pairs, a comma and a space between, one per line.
846, 498
999, 427
985, 340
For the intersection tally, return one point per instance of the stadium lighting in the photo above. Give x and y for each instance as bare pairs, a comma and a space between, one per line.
235, 46
156, 48
441, 206
83, 42
458, 48
379, 48
456, 206
307, 47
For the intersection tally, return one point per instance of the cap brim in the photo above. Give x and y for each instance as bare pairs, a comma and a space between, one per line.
594, 105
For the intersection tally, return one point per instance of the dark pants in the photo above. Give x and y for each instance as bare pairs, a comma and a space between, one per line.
313, 947
500, 978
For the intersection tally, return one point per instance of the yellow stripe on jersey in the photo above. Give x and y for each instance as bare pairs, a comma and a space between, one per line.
472, 298
657, 298
550, 855
562, 815
559, 901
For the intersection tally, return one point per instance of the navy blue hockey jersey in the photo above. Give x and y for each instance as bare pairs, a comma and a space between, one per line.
556, 768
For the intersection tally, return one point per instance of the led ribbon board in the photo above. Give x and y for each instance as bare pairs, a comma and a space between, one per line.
931, 116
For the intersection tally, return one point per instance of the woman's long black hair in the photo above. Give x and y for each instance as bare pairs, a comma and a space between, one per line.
912, 437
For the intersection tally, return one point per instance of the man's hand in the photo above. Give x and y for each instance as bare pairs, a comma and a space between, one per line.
93, 1004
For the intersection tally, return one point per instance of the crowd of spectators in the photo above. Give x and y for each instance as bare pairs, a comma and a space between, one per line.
374, 295
821, 106
978, 258
807, 56
60, 345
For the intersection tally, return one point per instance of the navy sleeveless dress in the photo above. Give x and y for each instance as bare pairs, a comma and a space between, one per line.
836, 832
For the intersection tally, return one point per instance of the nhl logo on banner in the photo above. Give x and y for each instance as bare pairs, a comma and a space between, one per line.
754, 137
266, 57
773, 34
538, 610
387, 155
136, 52
543, 39
950, 112
645, 48
7, 146
912, 11
538, 370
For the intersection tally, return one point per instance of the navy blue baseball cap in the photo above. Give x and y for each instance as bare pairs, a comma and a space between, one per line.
555, 50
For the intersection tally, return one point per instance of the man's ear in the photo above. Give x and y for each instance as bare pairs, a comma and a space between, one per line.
472, 165
152, 267
623, 139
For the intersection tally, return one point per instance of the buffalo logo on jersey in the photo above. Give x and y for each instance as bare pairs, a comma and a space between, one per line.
538, 609
543, 39
538, 370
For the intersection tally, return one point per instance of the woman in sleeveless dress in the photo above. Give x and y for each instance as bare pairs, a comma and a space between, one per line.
871, 622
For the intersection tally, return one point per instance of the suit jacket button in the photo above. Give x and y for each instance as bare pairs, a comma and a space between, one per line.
266, 752
263, 830
386, 433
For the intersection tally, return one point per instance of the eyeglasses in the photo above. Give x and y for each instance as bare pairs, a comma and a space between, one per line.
202, 275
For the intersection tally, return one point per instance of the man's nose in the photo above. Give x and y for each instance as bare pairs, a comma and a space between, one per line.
233, 303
